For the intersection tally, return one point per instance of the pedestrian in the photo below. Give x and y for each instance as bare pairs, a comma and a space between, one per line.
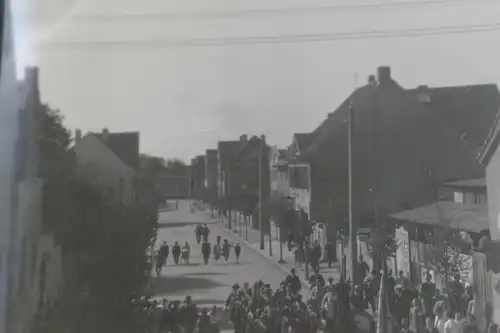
417, 314
225, 250
330, 253
198, 232
237, 252
176, 252
363, 270
453, 324
428, 290
205, 251
164, 252
205, 231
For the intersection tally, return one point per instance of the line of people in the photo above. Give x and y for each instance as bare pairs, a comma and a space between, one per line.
219, 249
163, 253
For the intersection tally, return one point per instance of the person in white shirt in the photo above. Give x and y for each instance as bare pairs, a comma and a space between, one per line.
441, 318
453, 325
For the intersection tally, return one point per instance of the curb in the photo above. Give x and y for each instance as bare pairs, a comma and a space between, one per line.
219, 224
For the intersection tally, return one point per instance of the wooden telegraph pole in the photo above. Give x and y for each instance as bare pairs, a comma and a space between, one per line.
353, 228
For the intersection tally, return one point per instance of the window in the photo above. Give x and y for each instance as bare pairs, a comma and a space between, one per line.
458, 197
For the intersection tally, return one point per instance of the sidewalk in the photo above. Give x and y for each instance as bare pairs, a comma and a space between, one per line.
251, 238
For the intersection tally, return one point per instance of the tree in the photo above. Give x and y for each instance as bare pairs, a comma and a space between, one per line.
449, 253
104, 243
175, 164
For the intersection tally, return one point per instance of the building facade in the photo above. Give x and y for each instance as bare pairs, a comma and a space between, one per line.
278, 168
101, 166
211, 176
9, 129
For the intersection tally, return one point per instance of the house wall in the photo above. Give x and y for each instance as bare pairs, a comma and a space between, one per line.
211, 175
391, 174
9, 119
493, 191
104, 168
25, 255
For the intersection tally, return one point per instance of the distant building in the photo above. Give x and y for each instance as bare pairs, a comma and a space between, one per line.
406, 144
197, 177
109, 161
250, 178
174, 182
225, 153
278, 165
211, 175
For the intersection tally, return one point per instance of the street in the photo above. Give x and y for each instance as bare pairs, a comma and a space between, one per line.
207, 284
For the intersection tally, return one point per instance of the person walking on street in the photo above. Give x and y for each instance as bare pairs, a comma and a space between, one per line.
198, 231
225, 250
330, 253
164, 252
176, 252
205, 251
363, 270
237, 252
205, 232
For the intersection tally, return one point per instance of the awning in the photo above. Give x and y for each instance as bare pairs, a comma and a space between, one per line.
463, 217
477, 182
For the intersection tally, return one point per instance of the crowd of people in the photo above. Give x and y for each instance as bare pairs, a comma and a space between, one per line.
260, 309
420, 309
181, 255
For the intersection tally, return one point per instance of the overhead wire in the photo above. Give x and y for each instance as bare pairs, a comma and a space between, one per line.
277, 39
241, 13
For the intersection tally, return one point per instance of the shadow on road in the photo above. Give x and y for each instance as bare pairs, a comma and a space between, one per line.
162, 225
170, 284
206, 274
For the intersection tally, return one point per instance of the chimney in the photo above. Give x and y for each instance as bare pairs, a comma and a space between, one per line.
263, 138
384, 74
78, 135
105, 135
372, 79
243, 138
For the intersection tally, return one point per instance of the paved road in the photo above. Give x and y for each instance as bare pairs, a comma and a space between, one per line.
211, 284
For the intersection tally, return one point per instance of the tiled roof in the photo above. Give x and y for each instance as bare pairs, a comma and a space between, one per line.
477, 182
468, 110
465, 217
125, 145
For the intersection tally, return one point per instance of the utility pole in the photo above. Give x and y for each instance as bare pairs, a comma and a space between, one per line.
353, 228
270, 239
261, 206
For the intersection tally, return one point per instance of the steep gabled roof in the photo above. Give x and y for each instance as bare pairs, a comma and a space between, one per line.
303, 141
125, 145
468, 110
491, 142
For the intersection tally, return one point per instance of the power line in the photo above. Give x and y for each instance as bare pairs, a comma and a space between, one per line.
193, 15
277, 39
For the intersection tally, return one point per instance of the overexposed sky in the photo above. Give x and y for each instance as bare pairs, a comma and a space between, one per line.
125, 65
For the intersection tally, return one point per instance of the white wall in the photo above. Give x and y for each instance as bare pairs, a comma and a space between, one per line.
106, 168
9, 100
25, 247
